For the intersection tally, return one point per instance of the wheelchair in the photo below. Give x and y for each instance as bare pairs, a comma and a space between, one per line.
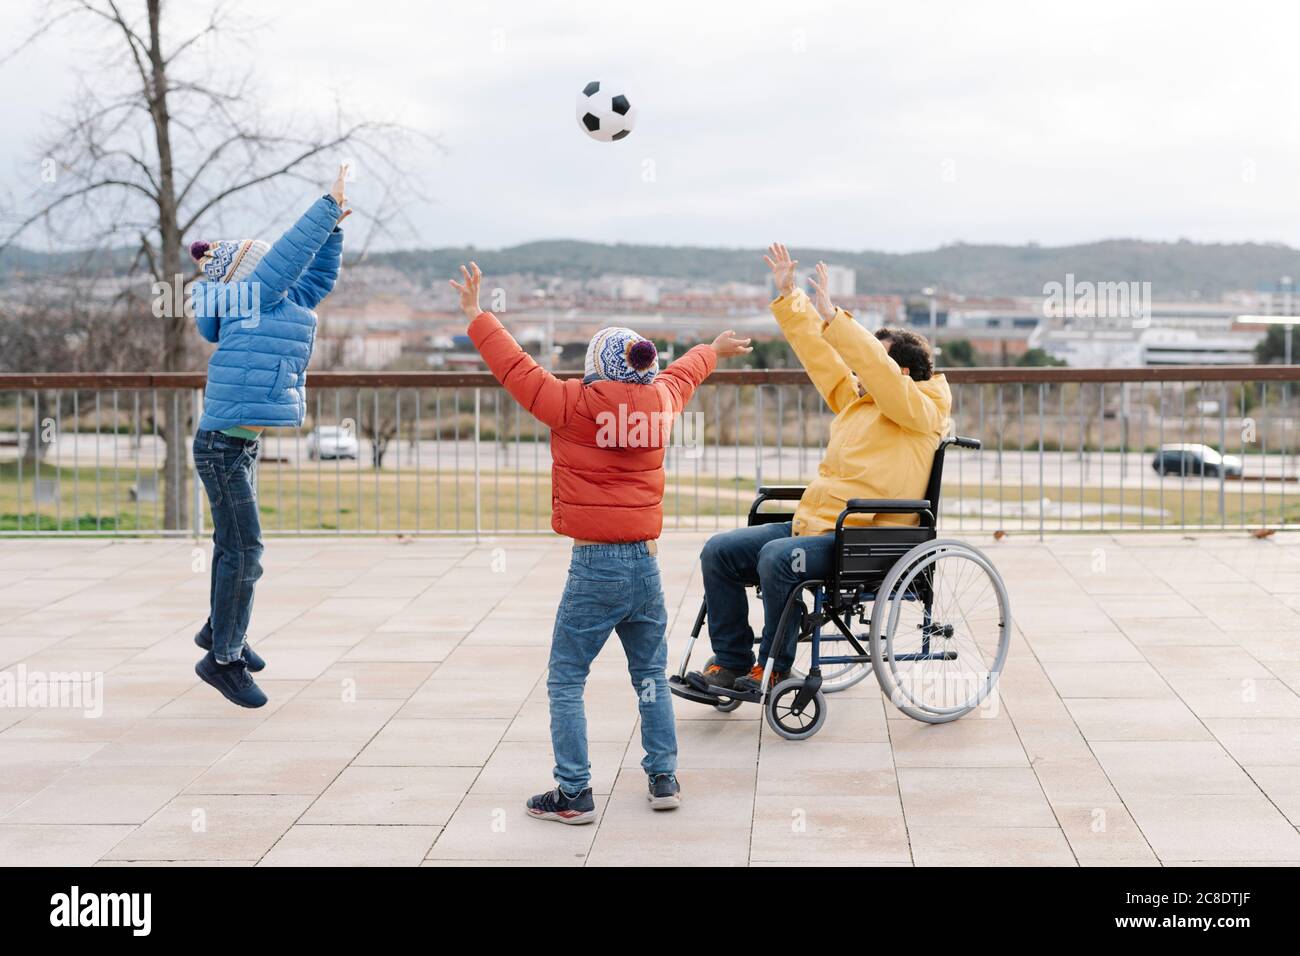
936, 610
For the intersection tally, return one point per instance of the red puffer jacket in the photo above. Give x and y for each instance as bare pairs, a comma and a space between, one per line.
607, 438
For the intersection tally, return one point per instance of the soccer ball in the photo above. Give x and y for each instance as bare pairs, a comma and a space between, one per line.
604, 113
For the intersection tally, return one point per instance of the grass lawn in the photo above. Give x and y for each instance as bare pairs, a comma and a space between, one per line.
353, 499
346, 499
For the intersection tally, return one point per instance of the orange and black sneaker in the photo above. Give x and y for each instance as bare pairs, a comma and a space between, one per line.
754, 679
716, 675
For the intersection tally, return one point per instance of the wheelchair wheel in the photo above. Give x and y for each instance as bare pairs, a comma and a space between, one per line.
779, 709
940, 631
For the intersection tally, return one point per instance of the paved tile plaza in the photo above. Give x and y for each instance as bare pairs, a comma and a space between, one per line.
1149, 714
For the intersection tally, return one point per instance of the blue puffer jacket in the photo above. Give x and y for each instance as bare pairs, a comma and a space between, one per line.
265, 328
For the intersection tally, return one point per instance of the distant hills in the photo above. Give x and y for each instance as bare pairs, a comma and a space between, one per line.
17, 259
1175, 269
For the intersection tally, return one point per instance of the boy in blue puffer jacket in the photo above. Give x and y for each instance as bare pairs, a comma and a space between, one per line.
255, 301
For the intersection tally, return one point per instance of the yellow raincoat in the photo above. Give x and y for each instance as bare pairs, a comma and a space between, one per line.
886, 426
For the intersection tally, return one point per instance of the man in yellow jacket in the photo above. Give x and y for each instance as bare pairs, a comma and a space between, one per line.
891, 411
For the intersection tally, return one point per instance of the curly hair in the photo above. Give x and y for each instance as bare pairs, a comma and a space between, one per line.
910, 350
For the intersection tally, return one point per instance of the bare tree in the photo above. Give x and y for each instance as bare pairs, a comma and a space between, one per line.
388, 414
164, 143
74, 322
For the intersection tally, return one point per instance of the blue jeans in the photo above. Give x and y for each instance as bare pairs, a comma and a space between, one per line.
766, 555
610, 587
225, 466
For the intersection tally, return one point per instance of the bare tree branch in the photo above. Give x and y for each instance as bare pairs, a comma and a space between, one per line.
37, 33
135, 44
167, 141
207, 161
214, 19
66, 198
285, 168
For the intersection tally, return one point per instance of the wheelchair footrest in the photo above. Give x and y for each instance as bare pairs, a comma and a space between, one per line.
697, 681
711, 694
687, 692
753, 697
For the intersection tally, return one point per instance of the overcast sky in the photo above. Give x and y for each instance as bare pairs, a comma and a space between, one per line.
895, 126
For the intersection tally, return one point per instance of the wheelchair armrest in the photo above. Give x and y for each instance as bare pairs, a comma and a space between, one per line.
781, 492
773, 493
890, 506
885, 506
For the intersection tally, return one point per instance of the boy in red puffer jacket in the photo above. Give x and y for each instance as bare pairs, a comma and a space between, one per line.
608, 434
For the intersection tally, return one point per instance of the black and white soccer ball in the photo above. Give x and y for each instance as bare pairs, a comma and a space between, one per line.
604, 112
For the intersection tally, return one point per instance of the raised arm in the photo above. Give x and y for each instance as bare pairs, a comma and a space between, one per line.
290, 255
317, 280
685, 375
545, 397
282, 267
801, 327
899, 398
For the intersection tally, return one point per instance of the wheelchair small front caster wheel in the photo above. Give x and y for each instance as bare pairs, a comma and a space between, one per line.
787, 717
727, 706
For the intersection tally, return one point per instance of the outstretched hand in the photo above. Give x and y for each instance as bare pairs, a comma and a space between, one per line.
337, 191
729, 344
782, 266
822, 300
469, 290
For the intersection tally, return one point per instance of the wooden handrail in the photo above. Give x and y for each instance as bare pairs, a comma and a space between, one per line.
135, 381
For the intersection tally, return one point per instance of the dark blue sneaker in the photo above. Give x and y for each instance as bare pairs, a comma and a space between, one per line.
251, 657
558, 806
233, 680
665, 792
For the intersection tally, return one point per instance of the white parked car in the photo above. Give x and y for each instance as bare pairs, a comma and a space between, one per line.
330, 441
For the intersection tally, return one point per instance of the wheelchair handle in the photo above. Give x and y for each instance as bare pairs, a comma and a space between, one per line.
960, 442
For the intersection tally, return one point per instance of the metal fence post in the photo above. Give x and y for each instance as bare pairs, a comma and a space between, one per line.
1223, 450
478, 484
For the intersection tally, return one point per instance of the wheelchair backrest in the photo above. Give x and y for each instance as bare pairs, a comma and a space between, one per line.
934, 486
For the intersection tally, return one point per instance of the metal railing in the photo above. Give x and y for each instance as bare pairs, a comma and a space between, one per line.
453, 454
